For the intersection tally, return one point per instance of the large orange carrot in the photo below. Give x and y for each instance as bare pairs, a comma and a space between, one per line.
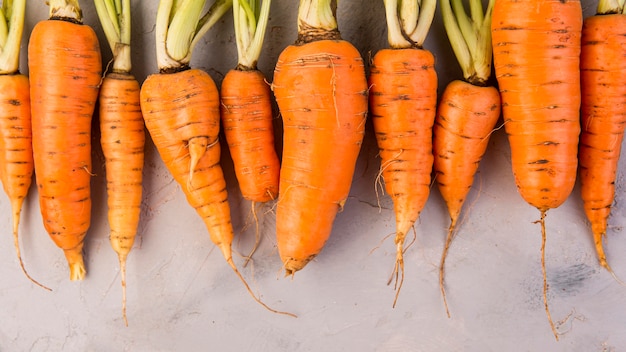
603, 84
122, 135
65, 73
403, 101
467, 112
536, 49
321, 91
180, 106
16, 150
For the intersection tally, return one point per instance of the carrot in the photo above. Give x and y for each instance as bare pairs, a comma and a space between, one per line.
467, 112
65, 74
403, 101
603, 84
16, 150
246, 110
180, 106
122, 134
321, 91
536, 50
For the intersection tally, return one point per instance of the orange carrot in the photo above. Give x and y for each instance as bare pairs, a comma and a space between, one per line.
467, 113
65, 74
246, 111
603, 83
321, 91
122, 136
403, 101
16, 150
536, 49
180, 106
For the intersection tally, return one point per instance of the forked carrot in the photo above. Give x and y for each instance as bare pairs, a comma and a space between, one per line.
122, 134
321, 91
246, 110
603, 83
16, 150
467, 113
403, 102
180, 106
65, 74
536, 49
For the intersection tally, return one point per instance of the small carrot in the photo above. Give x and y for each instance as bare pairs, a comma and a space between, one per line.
16, 150
403, 102
536, 50
180, 106
321, 91
122, 134
65, 74
603, 84
246, 110
467, 113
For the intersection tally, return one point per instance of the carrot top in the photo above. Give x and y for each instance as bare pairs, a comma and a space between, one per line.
250, 23
11, 27
66, 9
318, 14
115, 18
606, 7
408, 21
470, 37
179, 26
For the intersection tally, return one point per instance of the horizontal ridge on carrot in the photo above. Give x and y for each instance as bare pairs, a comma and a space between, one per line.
467, 113
65, 74
122, 135
603, 82
180, 106
403, 102
536, 50
16, 150
321, 91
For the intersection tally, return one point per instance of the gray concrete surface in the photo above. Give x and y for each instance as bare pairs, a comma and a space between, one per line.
183, 297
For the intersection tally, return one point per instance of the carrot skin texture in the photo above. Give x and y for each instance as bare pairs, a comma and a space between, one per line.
321, 91
247, 121
403, 100
178, 108
123, 140
65, 74
466, 117
603, 82
540, 95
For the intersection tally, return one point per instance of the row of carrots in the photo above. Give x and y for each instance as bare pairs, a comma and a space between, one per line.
549, 66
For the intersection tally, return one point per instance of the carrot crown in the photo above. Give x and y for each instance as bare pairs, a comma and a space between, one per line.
408, 21
606, 7
12, 15
470, 37
316, 20
115, 18
250, 23
179, 26
67, 9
